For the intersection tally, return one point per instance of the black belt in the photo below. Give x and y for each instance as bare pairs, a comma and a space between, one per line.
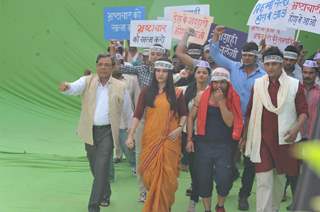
102, 126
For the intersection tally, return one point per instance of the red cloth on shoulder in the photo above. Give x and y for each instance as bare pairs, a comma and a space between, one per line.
233, 104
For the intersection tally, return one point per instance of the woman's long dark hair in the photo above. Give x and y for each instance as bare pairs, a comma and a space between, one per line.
191, 90
169, 89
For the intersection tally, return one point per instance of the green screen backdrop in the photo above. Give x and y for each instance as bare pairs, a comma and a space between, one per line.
44, 42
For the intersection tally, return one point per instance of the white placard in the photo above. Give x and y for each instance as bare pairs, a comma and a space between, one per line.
145, 33
304, 15
269, 14
274, 37
199, 9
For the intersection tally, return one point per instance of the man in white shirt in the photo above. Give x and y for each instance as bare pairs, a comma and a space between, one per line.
104, 100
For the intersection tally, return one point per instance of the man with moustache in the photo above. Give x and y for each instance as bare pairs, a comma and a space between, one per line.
104, 101
312, 92
290, 58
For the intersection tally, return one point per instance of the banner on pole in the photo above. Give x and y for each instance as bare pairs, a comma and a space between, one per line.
304, 15
269, 14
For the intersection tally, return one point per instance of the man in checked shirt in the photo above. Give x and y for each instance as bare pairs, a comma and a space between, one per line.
144, 74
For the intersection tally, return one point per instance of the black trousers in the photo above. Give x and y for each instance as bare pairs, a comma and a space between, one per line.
190, 157
247, 178
99, 156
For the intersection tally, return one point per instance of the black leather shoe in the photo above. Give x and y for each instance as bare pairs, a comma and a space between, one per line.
243, 204
117, 160
188, 192
105, 203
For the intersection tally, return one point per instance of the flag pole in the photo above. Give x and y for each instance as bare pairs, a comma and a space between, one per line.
297, 35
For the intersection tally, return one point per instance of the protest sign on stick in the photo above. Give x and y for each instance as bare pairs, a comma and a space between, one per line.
146, 33
269, 14
304, 15
200, 23
198, 9
231, 42
117, 21
273, 37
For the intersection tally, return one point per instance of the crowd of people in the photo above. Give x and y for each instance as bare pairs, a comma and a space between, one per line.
201, 112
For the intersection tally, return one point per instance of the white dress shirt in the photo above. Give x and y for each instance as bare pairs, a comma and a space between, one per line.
101, 114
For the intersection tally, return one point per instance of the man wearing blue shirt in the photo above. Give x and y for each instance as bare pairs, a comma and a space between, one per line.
243, 75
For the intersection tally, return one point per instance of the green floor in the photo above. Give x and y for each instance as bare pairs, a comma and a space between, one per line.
52, 183
43, 168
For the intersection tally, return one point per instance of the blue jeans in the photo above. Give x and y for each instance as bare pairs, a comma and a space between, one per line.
129, 153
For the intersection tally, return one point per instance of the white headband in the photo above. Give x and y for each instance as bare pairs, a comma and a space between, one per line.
158, 49
194, 51
160, 64
145, 52
253, 52
272, 58
290, 55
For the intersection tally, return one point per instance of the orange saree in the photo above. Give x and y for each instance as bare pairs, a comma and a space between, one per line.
160, 156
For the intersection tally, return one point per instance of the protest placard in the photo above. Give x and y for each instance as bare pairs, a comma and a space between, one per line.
273, 37
146, 33
231, 42
269, 14
198, 9
117, 21
304, 15
200, 23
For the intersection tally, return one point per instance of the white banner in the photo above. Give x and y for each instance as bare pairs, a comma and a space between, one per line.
304, 15
269, 14
274, 37
145, 33
199, 9
200, 23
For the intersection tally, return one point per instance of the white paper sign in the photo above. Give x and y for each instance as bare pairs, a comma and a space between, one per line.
199, 9
274, 37
145, 33
200, 23
304, 15
269, 14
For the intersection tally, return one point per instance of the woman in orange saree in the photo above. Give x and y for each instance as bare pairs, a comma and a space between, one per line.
165, 114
